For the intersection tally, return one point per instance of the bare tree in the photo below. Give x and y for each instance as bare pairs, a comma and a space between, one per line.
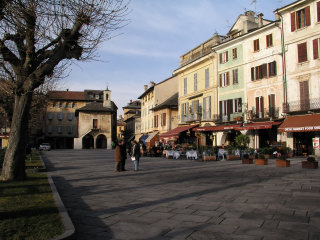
36, 38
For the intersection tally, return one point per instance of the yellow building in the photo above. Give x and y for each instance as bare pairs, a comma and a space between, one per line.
198, 86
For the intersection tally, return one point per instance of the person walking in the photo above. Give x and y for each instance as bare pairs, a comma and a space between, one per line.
123, 154
135, 155
117, 157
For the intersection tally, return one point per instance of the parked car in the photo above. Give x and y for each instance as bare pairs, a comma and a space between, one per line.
45, 147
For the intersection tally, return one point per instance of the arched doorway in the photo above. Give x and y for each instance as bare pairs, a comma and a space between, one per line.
101, 141
87, 142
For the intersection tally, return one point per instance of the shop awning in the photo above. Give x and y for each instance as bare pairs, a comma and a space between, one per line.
144, 138
216, 128
151, 136
304, 123
258, 125
176, 131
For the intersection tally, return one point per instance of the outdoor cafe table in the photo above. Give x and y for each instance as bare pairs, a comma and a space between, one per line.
192, 154
173, 154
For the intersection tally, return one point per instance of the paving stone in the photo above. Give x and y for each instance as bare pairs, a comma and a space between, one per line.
191, 218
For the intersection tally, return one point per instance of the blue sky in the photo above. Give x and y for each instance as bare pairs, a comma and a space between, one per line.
149, 47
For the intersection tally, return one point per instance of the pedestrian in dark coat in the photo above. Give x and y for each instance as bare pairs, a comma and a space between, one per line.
123, 154
117, 158
136, 154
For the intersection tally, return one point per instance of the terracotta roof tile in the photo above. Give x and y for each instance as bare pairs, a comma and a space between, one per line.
66, 95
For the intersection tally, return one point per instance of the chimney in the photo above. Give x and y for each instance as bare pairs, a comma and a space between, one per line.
145, 87
67, 89
260, 20
130, 101
152, 84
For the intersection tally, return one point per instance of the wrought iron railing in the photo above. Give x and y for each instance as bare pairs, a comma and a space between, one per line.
302, 105
272, 113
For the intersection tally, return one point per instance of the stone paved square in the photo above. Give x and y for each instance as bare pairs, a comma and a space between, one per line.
185, 199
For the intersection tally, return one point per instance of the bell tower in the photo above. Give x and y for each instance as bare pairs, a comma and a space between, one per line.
107, 98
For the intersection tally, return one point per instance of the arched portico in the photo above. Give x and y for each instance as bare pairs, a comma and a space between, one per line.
88, 142
101, 141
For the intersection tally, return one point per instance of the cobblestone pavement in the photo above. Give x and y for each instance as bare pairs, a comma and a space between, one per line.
185, 199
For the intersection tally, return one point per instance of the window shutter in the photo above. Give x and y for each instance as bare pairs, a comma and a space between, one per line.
220, 108
227, 56
264, 70
302, 52
228, 81
155, 121
220, 78
261, 104
229, 106
220, 58
318, 11
164, 119
307, 12
315, 49
209, 106
240, 104
257, 105
252, 74
293, 21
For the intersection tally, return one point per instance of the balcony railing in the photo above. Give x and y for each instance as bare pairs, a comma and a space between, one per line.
302, 105
191, 118
272, 113
228, 117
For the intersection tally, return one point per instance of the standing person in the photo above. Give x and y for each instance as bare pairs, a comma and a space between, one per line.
117, 157
123, 154
136, 154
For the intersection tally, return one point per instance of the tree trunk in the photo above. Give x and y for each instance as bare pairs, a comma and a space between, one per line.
14, 160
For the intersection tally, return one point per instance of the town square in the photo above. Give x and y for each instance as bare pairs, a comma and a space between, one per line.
136, 119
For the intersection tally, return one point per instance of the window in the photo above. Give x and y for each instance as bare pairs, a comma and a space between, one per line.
69, 129
184, 109
207, 78
49, 129
59, 129
300, 19
185, 82
224, 79
54, 104
74, 105
256, 45
304, 95
223, 57
269, 40
60, 116
206, 108
259, 107
302, 52
50, 115
195, 107
163, 119
67, 104
234, 53
316, 48
60, 104
272, 105
94, 123
195, 82
237, 105
272, 68
264, 71
156, 121
235, 76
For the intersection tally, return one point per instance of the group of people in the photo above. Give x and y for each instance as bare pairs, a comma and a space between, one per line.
121, 155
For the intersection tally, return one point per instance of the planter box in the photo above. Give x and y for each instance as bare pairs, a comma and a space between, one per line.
282, 163
311, 165
247, 161
209, 158
261, 161
232, 157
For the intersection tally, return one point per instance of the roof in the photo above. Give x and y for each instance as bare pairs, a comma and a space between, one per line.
146, 92
97, 107
302, 123
66, 95
289, 5
171, 102
133, 105
176, 131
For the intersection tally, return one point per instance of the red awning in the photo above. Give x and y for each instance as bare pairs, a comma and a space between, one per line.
304, 123
176, 131
258, 125
216, 128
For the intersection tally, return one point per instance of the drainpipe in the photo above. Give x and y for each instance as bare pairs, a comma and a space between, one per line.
284, 69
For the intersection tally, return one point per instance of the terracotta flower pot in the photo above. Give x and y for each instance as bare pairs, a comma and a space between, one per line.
247, 161
232, 157
310, 165
261, 161
282, 163
209, 158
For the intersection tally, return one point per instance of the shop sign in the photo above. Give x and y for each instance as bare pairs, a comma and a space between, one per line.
301, 129
315, 143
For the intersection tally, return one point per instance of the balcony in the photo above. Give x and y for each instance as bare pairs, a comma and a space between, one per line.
190, 118
228, 117
302, 105
266, 113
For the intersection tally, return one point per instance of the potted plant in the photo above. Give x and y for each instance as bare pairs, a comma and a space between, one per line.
310, 163
246, 159
261, 160
209, 154
282, 161
231, 153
